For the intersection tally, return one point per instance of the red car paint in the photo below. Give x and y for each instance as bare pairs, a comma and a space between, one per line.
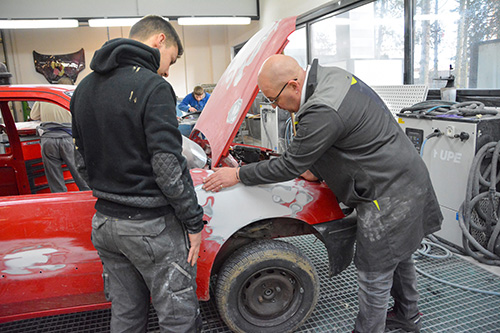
48, 264
237, 88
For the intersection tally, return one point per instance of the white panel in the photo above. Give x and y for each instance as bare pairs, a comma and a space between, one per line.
400, 96
450, 229
269, 127
449, 161
488, 71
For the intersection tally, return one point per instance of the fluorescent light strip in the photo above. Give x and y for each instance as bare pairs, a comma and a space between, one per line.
37, 24
115, 22
213, 20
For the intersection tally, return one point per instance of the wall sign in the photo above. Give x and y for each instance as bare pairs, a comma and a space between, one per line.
53, 67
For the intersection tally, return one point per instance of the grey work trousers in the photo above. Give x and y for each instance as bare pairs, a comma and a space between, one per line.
375, 288
143, 259
55, 152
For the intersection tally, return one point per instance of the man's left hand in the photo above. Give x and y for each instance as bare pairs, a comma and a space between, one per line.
194, 249
221, 178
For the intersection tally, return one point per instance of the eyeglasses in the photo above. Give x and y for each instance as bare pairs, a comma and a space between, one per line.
275, 99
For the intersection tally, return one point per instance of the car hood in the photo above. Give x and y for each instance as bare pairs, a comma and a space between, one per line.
231, 99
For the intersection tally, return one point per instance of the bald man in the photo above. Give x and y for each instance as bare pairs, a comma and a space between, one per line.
348, 138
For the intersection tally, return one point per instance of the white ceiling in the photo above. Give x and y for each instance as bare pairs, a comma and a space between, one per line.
50, 9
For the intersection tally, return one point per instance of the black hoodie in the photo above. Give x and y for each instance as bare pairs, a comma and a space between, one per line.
125, 128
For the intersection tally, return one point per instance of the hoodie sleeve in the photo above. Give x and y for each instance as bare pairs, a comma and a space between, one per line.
79, 154
169, 165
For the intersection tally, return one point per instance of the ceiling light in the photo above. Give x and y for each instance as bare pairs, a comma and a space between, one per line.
37, 24
213, 20
115, 22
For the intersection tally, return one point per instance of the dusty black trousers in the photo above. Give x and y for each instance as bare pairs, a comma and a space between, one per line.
375, 289
143, 259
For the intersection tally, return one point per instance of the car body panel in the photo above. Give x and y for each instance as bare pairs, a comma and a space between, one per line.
228, 211
47, 261
237, 88
48, 264
60, 95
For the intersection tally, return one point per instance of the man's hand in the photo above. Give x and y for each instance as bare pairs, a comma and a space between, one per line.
221, 178
308, 175
191, 109
195, 241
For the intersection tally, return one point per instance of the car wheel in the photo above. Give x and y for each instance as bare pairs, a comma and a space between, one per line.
266, 286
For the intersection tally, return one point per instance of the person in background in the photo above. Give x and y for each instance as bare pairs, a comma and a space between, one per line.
56, 143
147, 228
194, 101
347, 137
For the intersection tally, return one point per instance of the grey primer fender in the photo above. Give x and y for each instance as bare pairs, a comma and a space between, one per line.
338, 237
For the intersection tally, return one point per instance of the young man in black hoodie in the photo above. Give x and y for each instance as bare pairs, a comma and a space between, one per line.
147, 228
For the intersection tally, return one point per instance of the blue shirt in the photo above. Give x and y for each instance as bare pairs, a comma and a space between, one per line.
190, 101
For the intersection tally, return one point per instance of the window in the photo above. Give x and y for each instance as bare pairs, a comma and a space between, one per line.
297, 46
463, 34
367, 41
367, 38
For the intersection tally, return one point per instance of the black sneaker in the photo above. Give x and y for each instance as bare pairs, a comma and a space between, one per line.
394, 321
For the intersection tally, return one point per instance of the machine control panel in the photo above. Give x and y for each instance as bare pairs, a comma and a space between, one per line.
416, 137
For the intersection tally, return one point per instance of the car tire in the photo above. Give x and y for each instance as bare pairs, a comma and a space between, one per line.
266, 286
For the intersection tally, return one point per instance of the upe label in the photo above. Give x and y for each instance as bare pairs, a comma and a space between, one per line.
448, 156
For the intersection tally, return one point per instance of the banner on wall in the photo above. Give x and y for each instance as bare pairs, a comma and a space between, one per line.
53, 67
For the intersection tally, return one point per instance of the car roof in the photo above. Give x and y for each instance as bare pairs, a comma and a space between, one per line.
232, 97
59, 94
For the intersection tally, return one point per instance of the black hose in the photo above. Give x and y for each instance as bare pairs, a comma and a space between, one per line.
422, 107
438, 107
475, 195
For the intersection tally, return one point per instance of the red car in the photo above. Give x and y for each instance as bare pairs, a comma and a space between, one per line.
48, 264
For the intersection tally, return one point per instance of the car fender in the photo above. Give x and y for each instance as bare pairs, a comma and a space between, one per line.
230, 210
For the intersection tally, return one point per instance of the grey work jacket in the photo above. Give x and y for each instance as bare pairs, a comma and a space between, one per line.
347, 137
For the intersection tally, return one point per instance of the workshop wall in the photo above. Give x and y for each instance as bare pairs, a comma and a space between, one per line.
208, 49
20, 45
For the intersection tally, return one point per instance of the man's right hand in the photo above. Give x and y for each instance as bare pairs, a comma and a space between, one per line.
221, 178
195, 242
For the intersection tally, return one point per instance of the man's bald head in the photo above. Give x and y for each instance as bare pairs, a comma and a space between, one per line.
276, 70
281, 80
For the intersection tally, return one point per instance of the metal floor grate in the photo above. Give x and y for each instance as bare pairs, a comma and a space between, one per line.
445, 308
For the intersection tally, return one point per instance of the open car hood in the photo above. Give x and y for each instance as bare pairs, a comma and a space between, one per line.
237, 88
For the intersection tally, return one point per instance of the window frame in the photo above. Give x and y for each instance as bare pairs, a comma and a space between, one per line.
333, 9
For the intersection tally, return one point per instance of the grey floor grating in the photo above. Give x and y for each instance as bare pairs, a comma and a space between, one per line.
445, 308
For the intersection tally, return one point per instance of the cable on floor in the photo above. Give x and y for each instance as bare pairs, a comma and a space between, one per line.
425, 250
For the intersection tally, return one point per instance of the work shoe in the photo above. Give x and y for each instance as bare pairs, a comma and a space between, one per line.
395, 321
